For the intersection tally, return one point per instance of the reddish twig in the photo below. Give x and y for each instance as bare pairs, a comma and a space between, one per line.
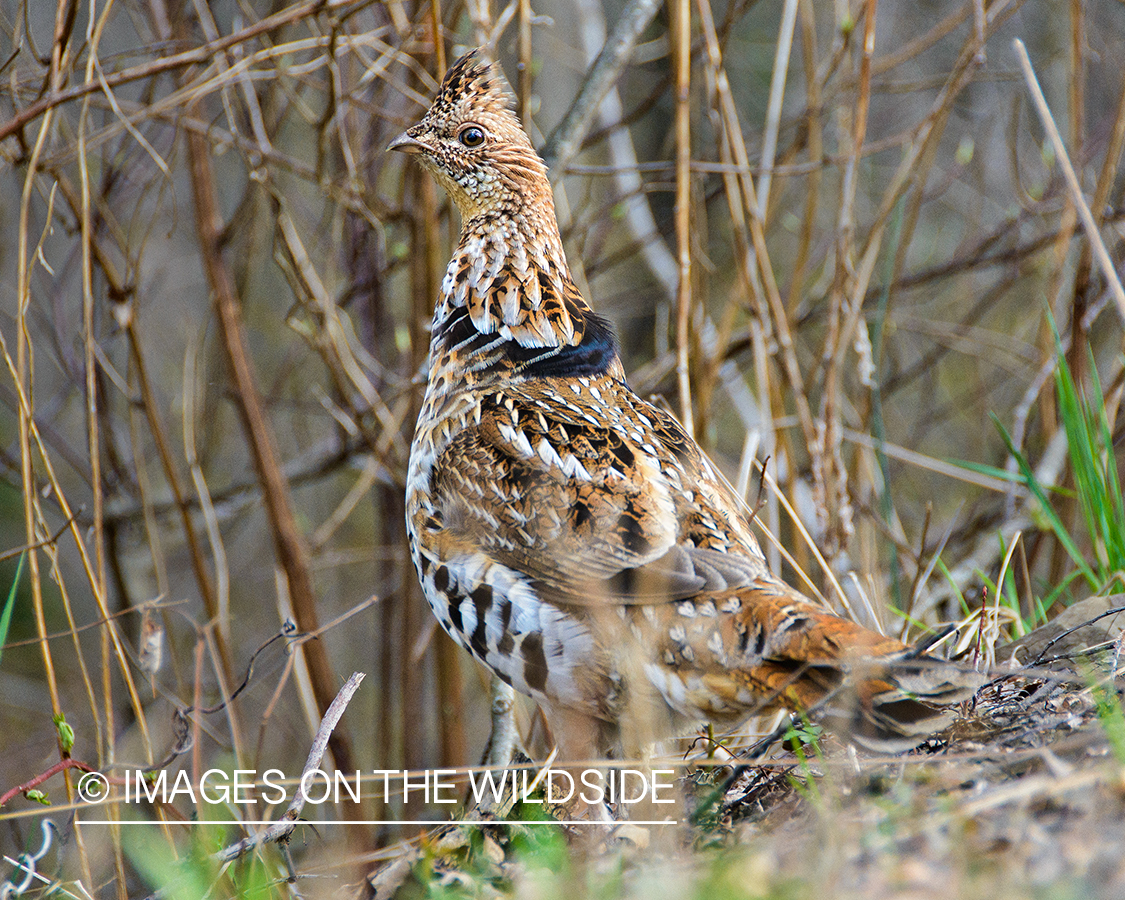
60, 766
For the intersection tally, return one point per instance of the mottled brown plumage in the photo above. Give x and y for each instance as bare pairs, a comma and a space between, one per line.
572, 536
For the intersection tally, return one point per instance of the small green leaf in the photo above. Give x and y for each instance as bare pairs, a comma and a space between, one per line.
66, 733
806, 733
38, 796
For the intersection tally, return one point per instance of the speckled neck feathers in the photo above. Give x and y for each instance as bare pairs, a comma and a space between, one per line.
508, 305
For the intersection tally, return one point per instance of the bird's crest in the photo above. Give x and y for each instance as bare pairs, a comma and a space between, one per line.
473, 81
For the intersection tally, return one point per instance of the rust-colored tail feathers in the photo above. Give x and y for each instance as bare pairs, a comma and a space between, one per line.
879, 692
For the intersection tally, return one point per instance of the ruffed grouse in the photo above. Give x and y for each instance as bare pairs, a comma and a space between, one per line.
573, 537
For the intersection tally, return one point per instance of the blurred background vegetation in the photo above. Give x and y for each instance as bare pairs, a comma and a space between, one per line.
217, 287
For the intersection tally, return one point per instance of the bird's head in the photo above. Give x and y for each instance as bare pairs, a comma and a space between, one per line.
473, 143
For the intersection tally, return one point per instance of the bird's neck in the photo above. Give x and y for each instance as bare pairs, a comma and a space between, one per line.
508, 305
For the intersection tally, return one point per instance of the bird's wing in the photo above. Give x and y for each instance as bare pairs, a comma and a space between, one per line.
585, 509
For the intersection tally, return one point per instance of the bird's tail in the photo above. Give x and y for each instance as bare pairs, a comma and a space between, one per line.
883, 694
893, 704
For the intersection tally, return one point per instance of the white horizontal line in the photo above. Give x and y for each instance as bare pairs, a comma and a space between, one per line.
428, 822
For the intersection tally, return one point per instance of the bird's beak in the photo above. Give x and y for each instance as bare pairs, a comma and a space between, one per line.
406, 144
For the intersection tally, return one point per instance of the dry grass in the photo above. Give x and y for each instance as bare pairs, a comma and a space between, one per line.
829, 237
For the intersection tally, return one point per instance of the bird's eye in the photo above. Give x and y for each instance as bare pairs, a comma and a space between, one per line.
471, 136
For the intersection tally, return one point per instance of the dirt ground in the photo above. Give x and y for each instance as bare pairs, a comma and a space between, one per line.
1023, 797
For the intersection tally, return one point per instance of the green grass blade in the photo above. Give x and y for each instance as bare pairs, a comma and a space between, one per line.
1092, 462
10, 604
1114, 534
1047, 510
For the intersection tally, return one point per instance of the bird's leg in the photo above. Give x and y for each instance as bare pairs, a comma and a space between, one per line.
504, 742
576, 733
576, 736
504, 747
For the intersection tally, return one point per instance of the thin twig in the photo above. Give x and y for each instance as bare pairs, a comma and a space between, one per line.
283, 827
49, 773
681, 56
1048, 122
196, 56
777, 94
